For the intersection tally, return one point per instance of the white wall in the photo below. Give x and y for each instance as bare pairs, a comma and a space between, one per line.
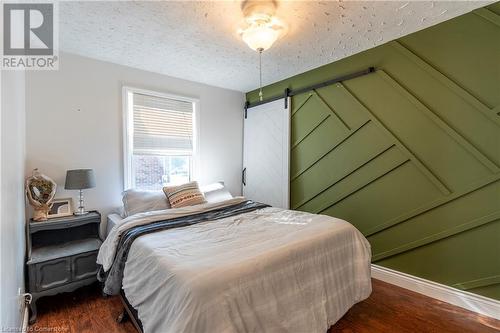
74, 120
12, 223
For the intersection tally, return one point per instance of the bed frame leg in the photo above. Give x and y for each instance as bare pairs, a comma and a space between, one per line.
123, 316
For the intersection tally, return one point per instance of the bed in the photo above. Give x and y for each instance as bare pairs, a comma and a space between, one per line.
235, 266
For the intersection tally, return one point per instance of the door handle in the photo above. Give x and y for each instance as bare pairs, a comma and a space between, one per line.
244, 176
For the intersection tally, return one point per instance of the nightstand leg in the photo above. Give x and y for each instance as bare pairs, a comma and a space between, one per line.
33, 312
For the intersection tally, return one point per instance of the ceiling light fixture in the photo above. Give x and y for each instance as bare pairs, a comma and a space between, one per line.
261, 28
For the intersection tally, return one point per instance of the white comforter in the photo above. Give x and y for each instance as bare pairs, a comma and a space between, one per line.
270, 270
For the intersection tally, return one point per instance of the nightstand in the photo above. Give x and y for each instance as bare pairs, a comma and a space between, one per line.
62, 255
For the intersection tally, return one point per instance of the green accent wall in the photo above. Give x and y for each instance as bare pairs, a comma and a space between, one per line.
410, 154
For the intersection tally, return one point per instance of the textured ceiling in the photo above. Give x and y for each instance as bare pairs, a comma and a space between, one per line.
198, 41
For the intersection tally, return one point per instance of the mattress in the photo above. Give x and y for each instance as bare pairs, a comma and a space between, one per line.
271, 270
113, 220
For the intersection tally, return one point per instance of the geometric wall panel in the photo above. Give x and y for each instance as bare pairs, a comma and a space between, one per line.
410, 154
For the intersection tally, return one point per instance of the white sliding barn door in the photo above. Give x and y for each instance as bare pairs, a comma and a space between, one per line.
266, 154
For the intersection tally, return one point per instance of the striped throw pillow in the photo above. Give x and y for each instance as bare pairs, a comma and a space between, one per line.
184, 195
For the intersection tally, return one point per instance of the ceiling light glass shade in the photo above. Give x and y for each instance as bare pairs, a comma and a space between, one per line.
261, 31
260, 37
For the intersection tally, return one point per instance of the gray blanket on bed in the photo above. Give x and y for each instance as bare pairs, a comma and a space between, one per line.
113, 277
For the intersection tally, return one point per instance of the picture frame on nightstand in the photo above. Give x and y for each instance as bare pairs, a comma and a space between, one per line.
61, 208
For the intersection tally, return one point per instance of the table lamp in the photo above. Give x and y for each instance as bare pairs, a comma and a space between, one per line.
80, 179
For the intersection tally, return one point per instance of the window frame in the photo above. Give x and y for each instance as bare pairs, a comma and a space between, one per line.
128, 130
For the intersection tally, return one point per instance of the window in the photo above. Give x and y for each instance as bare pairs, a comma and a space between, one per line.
159, 139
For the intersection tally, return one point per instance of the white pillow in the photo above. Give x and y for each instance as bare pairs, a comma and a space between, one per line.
137, 201
216, 192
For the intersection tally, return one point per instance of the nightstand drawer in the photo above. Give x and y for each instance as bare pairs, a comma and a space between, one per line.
83, 266
52, 273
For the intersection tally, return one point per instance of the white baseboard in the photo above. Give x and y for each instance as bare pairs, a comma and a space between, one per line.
25, 301
480, 304
24, 319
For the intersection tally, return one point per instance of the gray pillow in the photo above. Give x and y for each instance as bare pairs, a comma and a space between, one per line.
137, 201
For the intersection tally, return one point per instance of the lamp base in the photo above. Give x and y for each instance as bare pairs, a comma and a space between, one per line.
80, 213
81, 209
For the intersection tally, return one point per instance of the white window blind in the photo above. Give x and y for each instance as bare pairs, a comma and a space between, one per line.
159, 139
162, 125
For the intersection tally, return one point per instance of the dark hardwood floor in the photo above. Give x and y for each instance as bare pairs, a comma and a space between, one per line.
388, 309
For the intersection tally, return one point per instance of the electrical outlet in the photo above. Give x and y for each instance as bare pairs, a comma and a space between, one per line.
20, 298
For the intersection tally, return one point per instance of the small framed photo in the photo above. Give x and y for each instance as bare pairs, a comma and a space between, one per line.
61, 207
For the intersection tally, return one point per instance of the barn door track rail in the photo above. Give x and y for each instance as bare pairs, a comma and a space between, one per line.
289, 92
